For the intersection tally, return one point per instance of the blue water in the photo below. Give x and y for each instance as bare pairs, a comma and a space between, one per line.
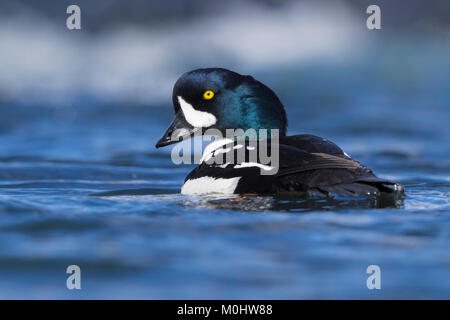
81, 183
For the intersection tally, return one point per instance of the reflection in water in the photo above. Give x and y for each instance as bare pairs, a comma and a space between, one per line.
287, 203
292, 204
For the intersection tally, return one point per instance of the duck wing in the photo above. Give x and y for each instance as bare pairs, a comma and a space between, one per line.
306, 164
325, 174
313, 144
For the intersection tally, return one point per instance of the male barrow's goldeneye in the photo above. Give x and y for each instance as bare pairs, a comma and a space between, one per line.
222, 99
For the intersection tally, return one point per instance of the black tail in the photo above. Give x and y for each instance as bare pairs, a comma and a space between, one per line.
366, 186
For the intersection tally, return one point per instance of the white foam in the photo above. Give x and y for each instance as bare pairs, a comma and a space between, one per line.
141, 63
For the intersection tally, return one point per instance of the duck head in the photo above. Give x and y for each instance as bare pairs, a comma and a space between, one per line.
220, 99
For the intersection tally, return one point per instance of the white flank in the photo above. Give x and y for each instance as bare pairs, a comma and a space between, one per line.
196, 118
253, 164
210, 185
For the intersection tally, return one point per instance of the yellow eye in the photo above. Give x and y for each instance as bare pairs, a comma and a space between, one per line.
208, 95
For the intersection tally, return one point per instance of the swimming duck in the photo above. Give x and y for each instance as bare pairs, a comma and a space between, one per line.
221, 99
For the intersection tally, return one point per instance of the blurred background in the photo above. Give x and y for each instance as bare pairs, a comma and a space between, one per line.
81, 110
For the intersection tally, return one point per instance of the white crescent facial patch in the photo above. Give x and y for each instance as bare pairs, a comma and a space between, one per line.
194, 117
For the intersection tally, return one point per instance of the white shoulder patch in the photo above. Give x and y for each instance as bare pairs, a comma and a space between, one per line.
196, 118
210, 185
212, 147
253, 164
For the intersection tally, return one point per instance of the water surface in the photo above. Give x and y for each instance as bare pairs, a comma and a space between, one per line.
81, 183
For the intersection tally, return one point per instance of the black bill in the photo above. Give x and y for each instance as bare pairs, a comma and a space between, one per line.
178, 130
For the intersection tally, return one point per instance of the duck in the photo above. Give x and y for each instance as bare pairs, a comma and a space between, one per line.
222, 100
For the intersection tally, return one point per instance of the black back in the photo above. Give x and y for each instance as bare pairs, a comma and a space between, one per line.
307, 163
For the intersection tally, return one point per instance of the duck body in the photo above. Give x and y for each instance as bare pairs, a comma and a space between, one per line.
307, 164
221, 99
